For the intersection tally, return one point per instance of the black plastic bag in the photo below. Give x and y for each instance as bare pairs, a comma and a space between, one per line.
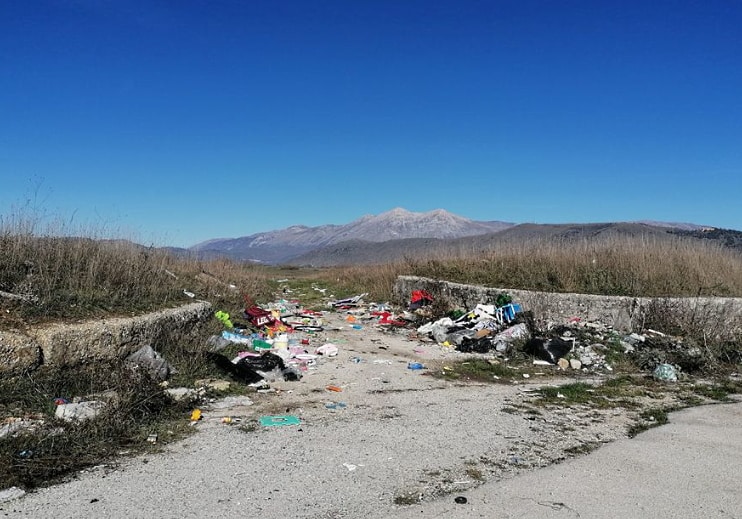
550, 350
240, 373
471, 345
266, 362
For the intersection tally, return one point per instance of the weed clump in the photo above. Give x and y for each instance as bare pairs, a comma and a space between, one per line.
135, 407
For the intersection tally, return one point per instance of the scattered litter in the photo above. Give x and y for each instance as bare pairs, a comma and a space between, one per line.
336, 389
146, 357
152, 438
550, 350
279, 421
223, 317
79, 411
420, 298
239, 372
460, 500
415, 365
196, 415
215, 385
350, 466
259, 344
328, 350
349, 302
336, 405
236, 338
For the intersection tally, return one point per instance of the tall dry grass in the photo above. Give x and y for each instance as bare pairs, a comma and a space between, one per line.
618, 265
54, 271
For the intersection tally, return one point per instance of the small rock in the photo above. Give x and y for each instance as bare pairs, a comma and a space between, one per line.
586, 360
575, 364
11, 493
563, 363
180, 394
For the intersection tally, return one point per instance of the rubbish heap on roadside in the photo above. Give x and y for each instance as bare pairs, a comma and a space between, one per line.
503, 330
282, 341
499, 328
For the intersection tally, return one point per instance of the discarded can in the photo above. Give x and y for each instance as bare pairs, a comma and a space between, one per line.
152, 438
305, 342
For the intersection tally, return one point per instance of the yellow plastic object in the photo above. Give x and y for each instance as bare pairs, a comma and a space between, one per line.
196, 415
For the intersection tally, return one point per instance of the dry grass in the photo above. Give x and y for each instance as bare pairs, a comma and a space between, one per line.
45, 276
630, 266
137, 407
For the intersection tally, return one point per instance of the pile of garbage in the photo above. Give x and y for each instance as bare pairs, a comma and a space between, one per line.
277, 340
485, 328
502, 329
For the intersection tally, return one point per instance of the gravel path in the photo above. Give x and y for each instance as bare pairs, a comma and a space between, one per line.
404, 437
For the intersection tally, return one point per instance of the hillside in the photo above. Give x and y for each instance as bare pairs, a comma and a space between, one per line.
282, 246
359, 252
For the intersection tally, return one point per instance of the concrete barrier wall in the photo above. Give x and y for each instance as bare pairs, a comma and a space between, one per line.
720, 315
106, 339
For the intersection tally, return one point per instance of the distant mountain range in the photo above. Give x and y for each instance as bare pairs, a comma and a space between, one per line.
284, 245
399, 233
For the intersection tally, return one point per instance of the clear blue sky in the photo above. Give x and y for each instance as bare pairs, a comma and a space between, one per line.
180, 121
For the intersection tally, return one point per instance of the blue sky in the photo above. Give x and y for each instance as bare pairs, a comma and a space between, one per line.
178, 121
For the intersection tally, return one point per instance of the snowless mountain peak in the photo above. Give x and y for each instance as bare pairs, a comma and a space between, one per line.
395, 224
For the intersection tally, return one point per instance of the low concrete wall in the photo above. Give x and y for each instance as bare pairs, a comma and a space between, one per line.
107, 339
719, 315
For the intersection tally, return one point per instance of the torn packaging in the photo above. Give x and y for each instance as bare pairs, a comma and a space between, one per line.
419, 299
146, 357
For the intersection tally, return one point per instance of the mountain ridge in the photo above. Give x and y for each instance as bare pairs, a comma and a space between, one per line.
399, 233
284, 244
